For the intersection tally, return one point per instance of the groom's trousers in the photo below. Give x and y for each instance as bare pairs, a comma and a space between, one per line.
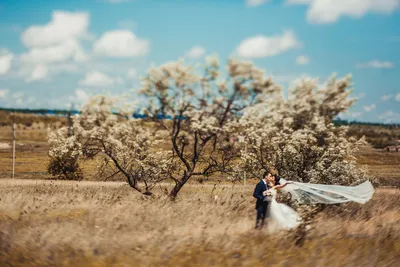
262, 209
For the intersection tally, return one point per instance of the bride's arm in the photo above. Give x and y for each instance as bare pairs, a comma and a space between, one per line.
282, 186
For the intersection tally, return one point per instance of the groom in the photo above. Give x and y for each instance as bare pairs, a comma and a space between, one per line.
259, 194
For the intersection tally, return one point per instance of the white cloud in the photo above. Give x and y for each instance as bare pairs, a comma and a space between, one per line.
3, 93
119, 80
120, 43
387, 114
5, 61
80, 96
369, 108
18, 97
39, 73
64, 26
266, 46
195, 52
386, 97
70, 49
132, 73
96, 78
376, 64
329, 11
31, 99
398, 97
302, 60
254, 3
390, 116
19, 101
65, 68
355, 114
55, 46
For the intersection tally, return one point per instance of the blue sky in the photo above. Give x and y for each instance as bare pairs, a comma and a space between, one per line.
54, 52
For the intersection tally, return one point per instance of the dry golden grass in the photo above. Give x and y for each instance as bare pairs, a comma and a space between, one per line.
54, 223
382, 164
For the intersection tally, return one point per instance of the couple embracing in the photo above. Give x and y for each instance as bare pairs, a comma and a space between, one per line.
265, 193
283, 217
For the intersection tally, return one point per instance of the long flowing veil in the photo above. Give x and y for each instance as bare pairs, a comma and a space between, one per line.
307, 193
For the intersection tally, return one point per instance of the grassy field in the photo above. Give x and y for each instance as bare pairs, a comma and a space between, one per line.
59, 223
90, 223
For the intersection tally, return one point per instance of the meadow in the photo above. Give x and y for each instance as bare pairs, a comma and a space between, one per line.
44, 222
63, 223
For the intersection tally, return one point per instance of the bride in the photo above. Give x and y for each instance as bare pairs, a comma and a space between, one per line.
282, 217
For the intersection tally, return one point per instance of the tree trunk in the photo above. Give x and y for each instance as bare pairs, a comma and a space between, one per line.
174, 192
178, 186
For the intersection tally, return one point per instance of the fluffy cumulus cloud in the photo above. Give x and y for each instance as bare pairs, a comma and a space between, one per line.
96, 78
398, 97
386, 97
132, 73
329, 11
254, 3
302, 60
39, 73
390, 116
56, 43
195, 52
64, 26
369, 108
3, 93
352, 114
69, 50
18, 98
5, 61
376, 64
120, 43
265, 46
81, 96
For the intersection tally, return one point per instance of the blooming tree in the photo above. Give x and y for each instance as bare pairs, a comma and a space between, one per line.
104, 130
195, 116
201, 111
297, 136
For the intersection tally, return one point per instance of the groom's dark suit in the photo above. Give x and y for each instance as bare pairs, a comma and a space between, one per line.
261, 205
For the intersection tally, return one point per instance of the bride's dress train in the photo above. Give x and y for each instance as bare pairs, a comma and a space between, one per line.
282, 217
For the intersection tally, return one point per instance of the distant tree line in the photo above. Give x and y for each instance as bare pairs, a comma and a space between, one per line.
138, 115
340, 122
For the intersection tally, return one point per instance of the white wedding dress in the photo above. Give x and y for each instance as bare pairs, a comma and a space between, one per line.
282, 217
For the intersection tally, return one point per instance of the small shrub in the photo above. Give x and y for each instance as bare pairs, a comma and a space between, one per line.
64, 154
65, 168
